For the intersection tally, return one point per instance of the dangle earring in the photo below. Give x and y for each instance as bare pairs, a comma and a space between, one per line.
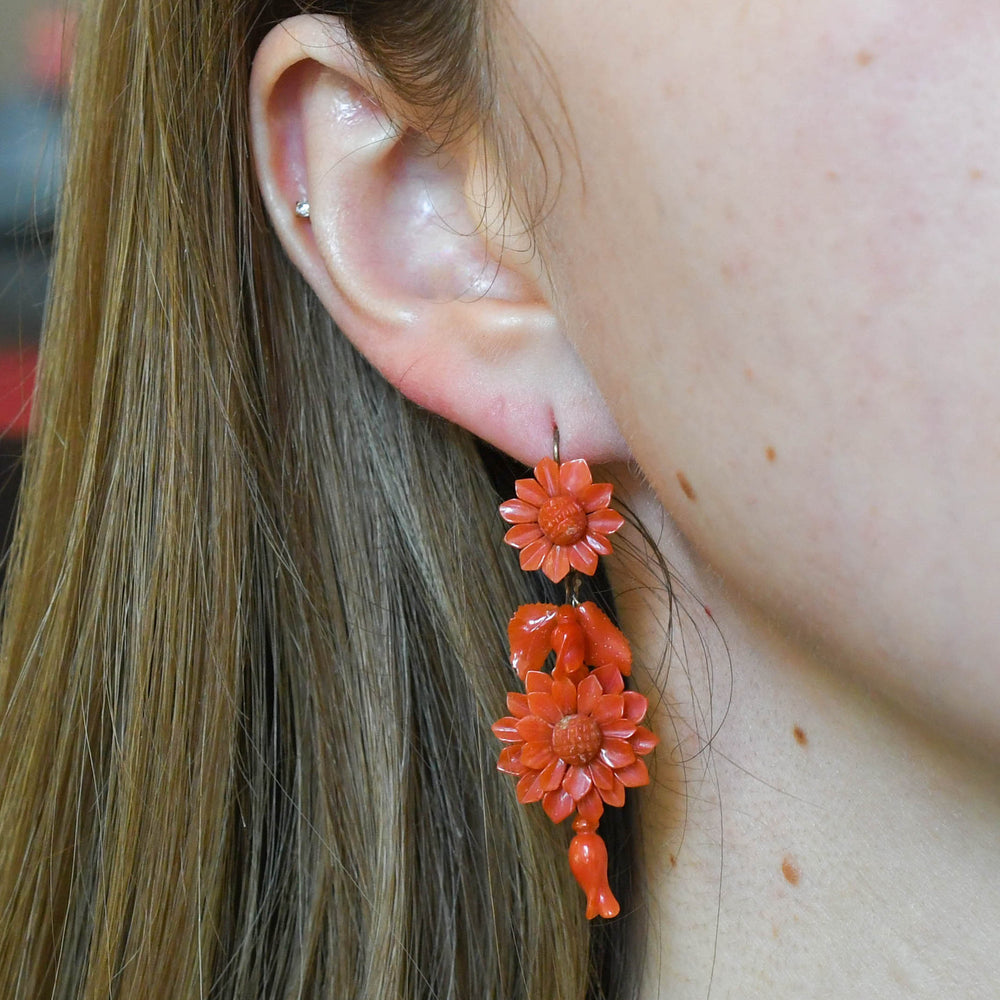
574, 738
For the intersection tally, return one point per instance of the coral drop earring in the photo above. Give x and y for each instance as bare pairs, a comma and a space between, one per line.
573, 738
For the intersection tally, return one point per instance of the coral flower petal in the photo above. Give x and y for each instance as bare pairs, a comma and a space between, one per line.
537, 680
598, 543
615, 795
577, 782
609, 708
619, 729
609, 678
634, 775
636, 706
534, 554
533, 730
517, 704
614, 753
564, 695
552, 775
556, 563
544, 706
529, 491
602, 774
583, 558
575, 477
643, 741
523, 534
510, 761
528, 789
537, 756
603, 522
519, 512
590, 807
589, 694
547, 474
595, 497
506, 729
558, 805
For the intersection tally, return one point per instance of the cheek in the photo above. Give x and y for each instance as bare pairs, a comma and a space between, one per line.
882, 150
783, 266
790, 222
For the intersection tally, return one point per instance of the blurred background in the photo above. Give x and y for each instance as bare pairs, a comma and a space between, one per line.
35, 54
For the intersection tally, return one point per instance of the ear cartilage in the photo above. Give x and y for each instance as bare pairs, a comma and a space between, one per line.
302, 208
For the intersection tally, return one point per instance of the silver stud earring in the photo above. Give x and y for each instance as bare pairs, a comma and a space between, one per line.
302, 208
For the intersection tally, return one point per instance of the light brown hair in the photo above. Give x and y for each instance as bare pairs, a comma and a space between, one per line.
256, 607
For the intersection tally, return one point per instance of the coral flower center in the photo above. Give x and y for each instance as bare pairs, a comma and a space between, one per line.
577, 739
563, 520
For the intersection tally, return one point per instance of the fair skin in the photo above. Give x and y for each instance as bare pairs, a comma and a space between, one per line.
773, 252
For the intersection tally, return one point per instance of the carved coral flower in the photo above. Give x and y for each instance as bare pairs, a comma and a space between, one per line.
561, 519
575, 745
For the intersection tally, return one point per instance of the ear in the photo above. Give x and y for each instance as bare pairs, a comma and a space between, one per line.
400, 249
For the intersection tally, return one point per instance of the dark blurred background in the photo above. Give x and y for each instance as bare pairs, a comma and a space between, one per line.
35, 50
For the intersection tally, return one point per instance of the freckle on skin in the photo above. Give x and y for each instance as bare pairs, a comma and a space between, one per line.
673, 861
800, 736
791, 871
686, 486
770, 453
975, 174
832, 175
864, 58
748, 372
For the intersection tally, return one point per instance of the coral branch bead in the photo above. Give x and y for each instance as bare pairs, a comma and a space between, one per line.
588, 860
578, 635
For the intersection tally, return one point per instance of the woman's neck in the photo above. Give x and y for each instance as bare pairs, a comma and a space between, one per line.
803, 837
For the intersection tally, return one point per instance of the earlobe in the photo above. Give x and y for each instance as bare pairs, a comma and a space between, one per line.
396, 247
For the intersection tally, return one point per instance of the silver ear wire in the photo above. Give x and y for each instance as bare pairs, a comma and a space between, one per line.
302, 208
